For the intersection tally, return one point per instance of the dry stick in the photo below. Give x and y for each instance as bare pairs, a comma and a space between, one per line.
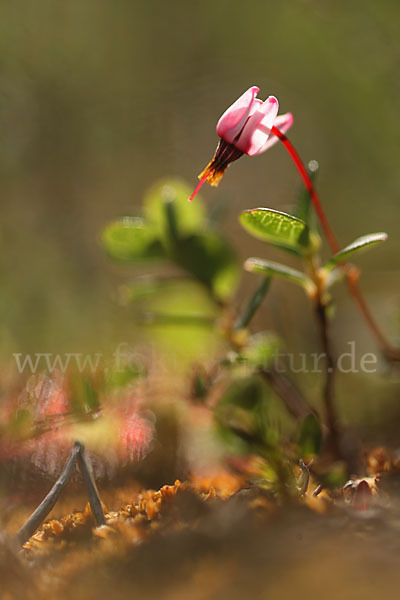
317, 490
306, 474
93, 494
39, 515
44, 508
389, 352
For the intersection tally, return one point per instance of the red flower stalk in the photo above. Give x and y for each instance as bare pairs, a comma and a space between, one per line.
250, 127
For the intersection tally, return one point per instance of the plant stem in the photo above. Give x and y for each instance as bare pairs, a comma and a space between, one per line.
330, 411
331, 419
294, 402
388, 350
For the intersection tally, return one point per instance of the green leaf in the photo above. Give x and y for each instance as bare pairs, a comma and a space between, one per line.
84, 394
310, 438
269, 267
278, 228
246, 393
123, 375
189, 217
253, 304
359, 245
131, 239
241, 414
21, 423
180, 322
211, 261
172, 227
201, 383
261, 350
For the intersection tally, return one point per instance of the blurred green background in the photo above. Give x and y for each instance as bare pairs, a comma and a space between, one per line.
100, 98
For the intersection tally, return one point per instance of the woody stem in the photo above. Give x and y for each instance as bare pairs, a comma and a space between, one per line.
390, 352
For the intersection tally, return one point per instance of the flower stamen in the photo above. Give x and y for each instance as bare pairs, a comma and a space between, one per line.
224, 155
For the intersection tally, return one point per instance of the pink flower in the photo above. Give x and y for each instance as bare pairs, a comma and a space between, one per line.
135, 436
244, 128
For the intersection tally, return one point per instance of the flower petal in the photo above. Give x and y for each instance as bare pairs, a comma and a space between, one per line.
258, 127
282, 122
233, 119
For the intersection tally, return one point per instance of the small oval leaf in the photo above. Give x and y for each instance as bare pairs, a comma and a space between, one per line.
276, 227
210, 260
189, 217
269, 267
359, 245
131, 239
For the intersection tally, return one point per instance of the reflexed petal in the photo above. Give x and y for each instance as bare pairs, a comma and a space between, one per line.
283, 123
233, 119
257, 129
